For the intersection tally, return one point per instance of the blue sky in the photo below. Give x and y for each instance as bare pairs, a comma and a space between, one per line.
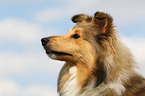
25, 69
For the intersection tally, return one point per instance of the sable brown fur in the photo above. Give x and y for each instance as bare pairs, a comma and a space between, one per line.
97, 63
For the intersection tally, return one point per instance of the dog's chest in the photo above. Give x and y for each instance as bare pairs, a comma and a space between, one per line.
71, 87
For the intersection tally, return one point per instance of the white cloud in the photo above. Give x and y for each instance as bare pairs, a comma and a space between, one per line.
18, 31
34, 90
32, 59
51, 14
8, 87
12, 64
15, 64
12, 88
18, 1
124, 12
137, 47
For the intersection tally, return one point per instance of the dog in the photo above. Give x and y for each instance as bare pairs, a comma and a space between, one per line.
97, 63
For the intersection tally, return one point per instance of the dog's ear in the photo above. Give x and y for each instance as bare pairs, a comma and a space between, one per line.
81, 18
103, 22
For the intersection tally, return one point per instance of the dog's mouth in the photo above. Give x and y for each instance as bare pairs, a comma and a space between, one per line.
58, 53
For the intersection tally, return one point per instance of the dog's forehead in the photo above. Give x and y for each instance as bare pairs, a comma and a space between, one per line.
75, 29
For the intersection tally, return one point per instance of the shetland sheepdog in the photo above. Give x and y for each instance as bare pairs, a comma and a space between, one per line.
97, 63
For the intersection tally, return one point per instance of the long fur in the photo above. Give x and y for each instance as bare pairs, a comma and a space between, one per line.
97, 63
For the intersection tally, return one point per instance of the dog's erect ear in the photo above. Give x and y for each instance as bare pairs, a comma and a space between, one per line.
81, 18
103, 22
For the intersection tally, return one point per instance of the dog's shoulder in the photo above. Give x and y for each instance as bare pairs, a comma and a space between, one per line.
135, 86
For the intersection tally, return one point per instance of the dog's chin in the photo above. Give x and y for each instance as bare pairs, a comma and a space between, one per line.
56, 55
52, 56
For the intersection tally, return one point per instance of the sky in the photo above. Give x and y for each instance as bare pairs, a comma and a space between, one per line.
25, 69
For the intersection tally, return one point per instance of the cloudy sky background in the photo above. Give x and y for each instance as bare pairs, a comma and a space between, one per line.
25, 69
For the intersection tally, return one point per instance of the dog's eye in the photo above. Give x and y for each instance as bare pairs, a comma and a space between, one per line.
76, 36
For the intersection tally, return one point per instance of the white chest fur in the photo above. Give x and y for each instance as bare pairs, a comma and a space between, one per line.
71, 87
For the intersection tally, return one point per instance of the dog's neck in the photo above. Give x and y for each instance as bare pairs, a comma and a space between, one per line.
71, 87
74, 83
73, 78
71, 84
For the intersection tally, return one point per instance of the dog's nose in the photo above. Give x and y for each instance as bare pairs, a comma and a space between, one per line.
45, 41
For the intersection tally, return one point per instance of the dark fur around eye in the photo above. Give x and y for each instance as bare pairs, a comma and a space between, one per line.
75, 36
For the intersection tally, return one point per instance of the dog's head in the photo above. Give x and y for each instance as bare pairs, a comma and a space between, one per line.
89, 44
82, 43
